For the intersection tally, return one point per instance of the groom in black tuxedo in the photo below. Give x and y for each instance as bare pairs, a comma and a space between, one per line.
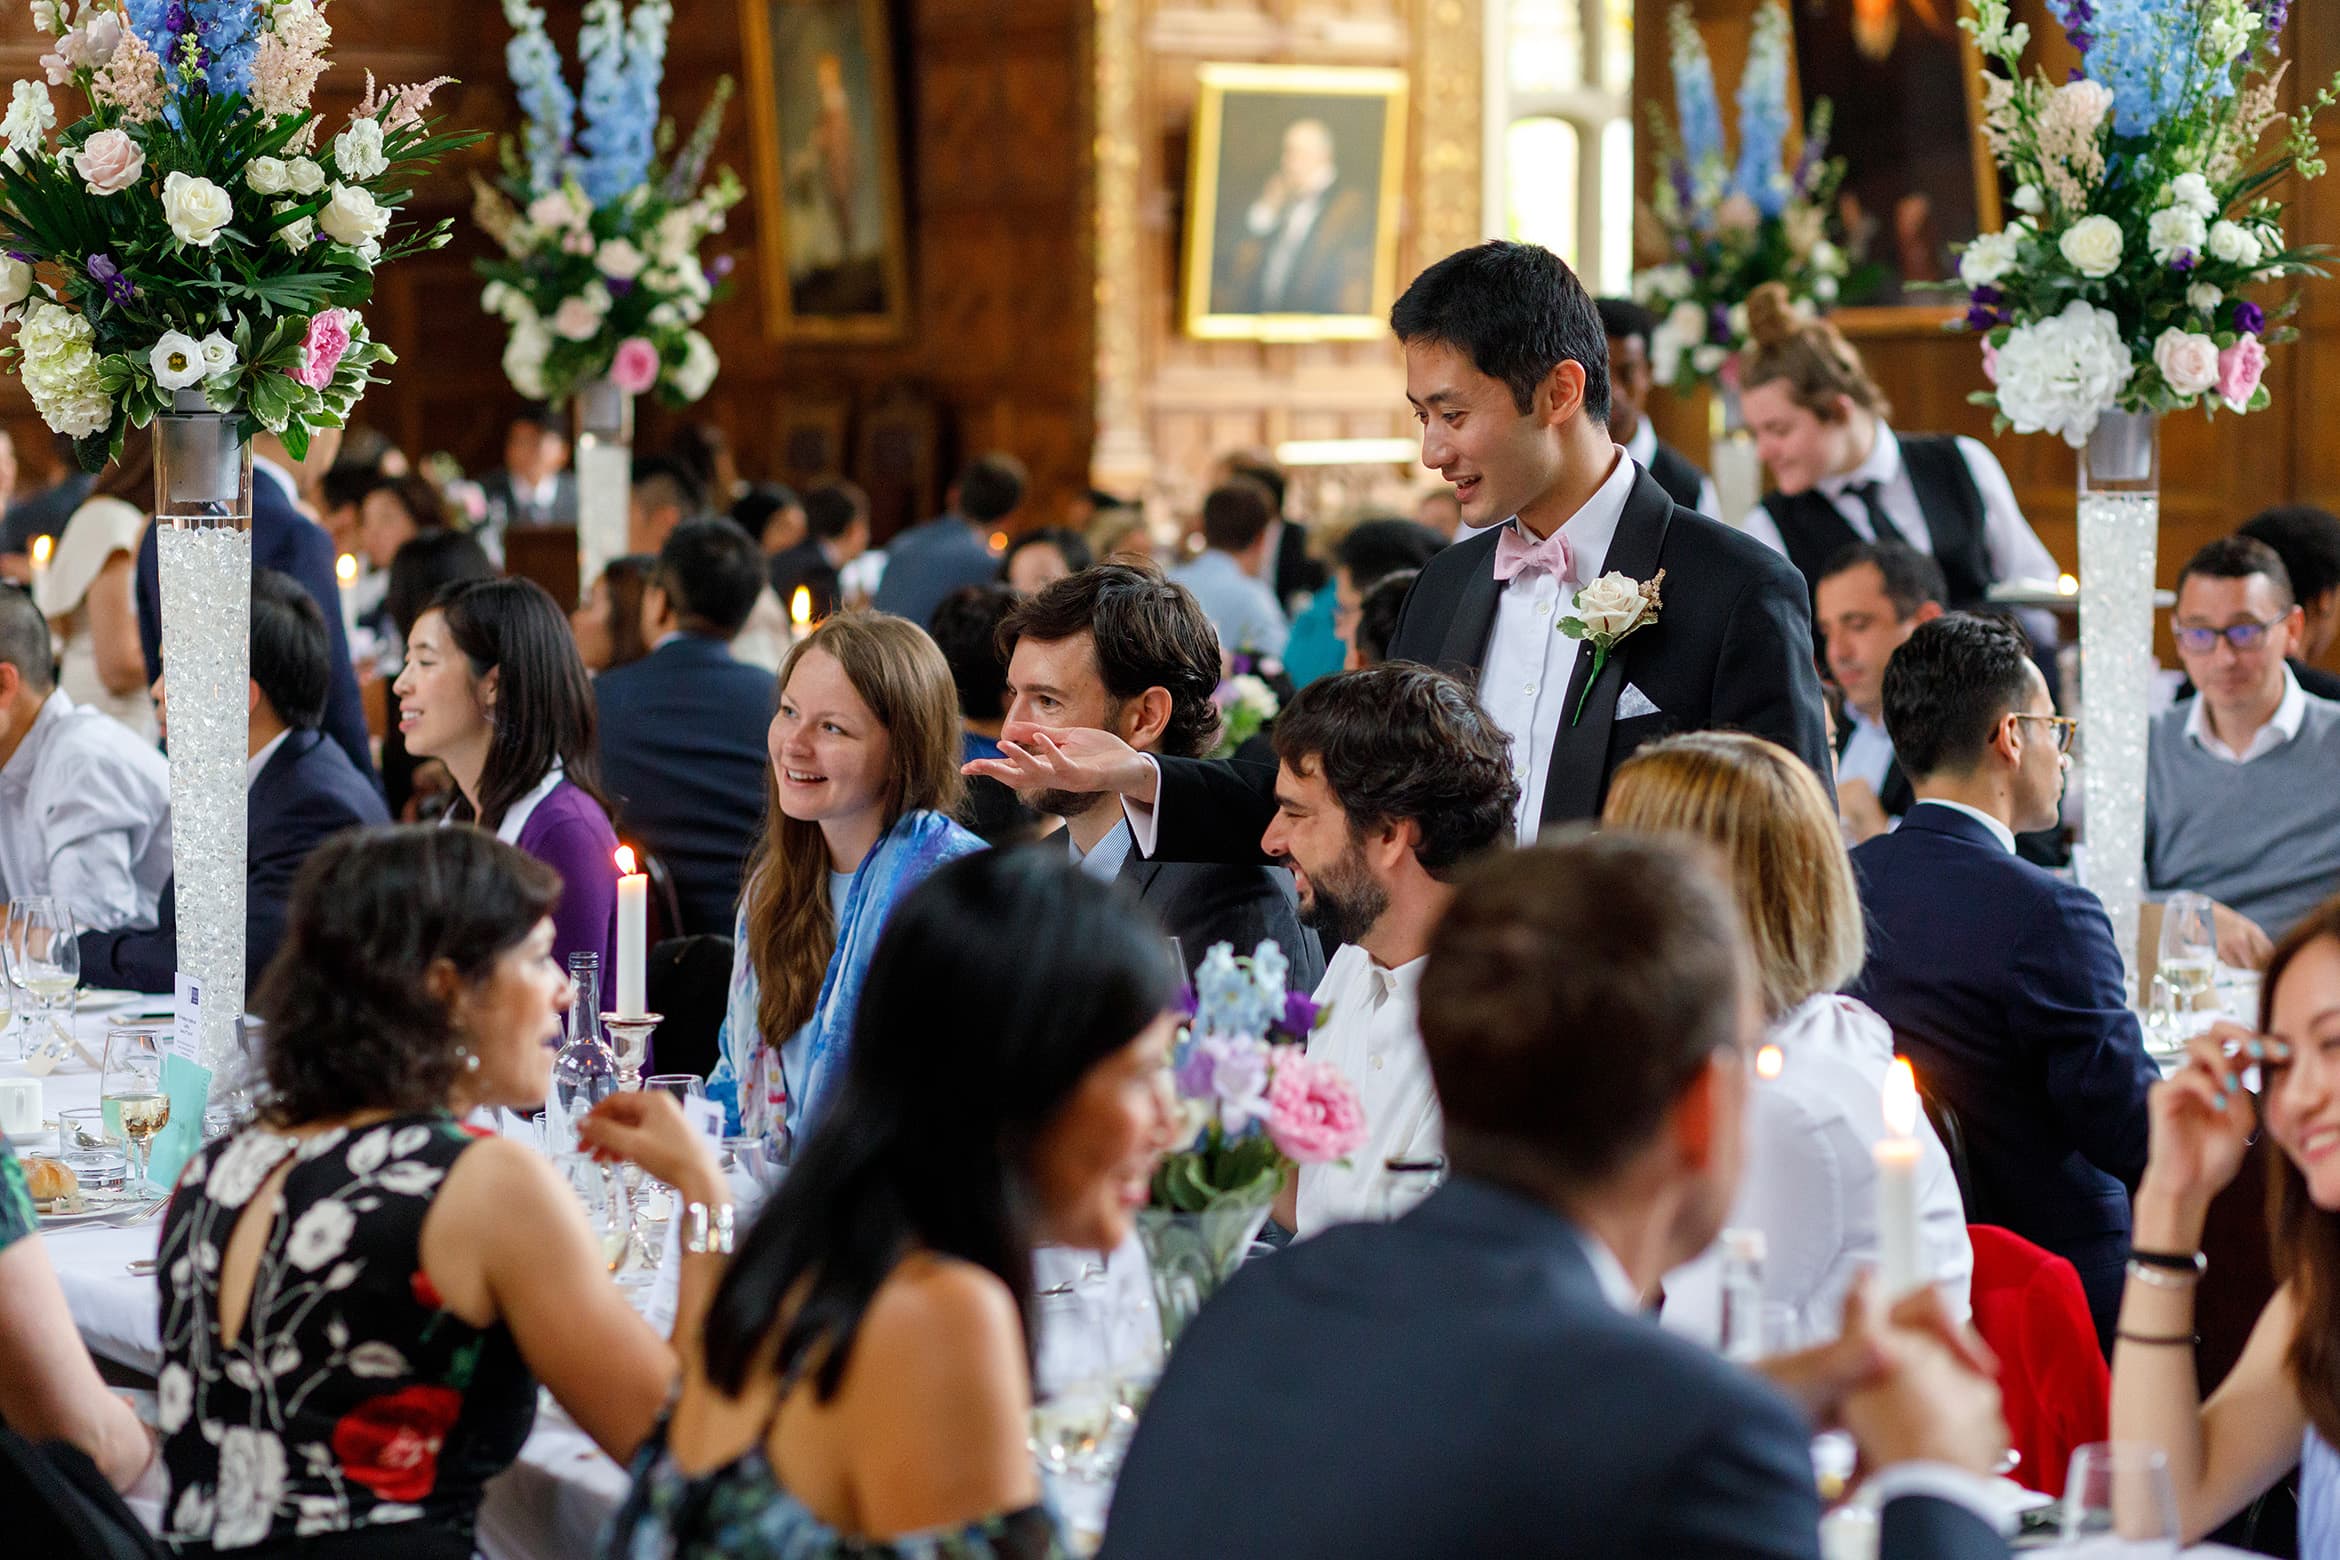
1507, 370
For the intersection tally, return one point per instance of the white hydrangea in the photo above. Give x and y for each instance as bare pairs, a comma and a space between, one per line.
1989, 258
60, 371
524, 357
2174, 230
30, 118
1661, 285
2060, 374
695, 376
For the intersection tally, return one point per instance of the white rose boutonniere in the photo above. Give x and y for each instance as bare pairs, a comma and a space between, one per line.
1610, 608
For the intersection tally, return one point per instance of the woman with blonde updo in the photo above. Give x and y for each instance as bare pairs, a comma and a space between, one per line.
1841, 475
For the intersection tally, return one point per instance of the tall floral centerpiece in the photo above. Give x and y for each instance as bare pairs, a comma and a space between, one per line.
1253, 1105
600, 282
2117, 295
192, 253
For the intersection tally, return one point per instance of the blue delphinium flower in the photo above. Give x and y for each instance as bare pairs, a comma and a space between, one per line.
228, 32
2147, 52
623, 66
1696, 104
1763, 115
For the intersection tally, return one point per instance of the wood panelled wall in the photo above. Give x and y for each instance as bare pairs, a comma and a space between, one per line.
2214, 474
994, 102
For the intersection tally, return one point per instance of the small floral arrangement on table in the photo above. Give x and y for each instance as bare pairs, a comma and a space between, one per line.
1253, 1102
1726, 227
1246, 702
2143, 212
600, 276
199, 228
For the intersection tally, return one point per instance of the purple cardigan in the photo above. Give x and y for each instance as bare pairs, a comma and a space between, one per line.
570, 833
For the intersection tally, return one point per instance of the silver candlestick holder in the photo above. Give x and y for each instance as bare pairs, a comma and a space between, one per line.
630, 1039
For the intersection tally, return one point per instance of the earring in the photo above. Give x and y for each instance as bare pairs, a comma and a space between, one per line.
470, 1058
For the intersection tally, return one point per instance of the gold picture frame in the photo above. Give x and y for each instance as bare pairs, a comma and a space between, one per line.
1330, 273
829, 229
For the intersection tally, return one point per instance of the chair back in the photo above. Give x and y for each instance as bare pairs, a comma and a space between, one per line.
2053, 1384
688, 979
61, 1508
666, 918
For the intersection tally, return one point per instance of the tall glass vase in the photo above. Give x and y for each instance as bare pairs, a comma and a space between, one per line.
2120, 517
605, 477
203, 545
1731, 458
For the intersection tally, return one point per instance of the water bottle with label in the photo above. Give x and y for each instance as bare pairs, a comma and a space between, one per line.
585, 1071
1742, 1295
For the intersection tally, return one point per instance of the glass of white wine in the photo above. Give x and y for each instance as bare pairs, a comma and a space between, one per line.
46, 950
131, 1091
2189, 953
602, 1190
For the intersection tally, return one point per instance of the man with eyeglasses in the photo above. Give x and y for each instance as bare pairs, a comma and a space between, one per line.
2240, 801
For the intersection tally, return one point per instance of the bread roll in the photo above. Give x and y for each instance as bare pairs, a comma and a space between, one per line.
48, 1180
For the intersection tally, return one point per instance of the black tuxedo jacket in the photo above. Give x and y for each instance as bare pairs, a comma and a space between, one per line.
1457, 1384
1731, 650
306, 793
1203, 903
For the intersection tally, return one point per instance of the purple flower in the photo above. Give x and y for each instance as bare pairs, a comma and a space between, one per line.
108, 275
2184, 260
1989, 297
1241, 663
719, 268
1979, 319
2249, 318
1718, 326
1183, 1005
1194, 1074
1299, 1014
618, 286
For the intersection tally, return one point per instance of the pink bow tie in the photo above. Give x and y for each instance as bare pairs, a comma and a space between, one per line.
1515, 554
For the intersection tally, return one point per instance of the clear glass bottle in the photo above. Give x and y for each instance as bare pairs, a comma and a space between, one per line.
1742, 1295
585, 1070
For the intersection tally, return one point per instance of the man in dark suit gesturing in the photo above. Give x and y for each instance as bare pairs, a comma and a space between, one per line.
1478, 1378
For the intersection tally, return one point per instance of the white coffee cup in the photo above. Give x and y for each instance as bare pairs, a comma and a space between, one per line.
20, 1106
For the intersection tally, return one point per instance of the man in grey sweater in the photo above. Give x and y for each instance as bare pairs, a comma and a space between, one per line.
2240, 799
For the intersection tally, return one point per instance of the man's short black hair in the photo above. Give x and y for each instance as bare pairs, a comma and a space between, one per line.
712, 572
292, 657
659, 482
346, 486
2238, 558
1911, 577
990, 488
1149, 632
966, 628
1377, 615
1517, 312
536, 414
426, 565
1948, 687
1070, 545
1398, 741
1235, 514
2307, 539
1377, 549
754, 509
831, 509
25, 641
1624, 320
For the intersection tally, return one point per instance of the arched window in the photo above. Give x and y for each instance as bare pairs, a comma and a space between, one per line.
1559, 154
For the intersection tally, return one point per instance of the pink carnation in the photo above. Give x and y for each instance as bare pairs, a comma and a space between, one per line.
322, 349
1313, 1114
1990, 363
635, 368
2240, 368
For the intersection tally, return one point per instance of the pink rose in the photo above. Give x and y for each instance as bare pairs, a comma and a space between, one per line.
322, 349
635, 368
109, 162
1990, 363
1313, 1115
2239, 369
2188, 361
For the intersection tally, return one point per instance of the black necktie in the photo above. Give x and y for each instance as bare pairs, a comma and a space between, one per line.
1881, 528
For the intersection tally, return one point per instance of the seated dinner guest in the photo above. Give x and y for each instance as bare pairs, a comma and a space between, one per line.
929, 561
860, 1384
1121, 649
836, 531
608, 622
1479, 1378
494, 690
2307, 539
300, 790
1225, 578
1386, 781
2001, 980
864, 780
2239, 796
88, 596
359, 1296
1870, 598
1040, 558
2279, 1408
1810, 1184
85, 807
682, 729
1370, 552
965, 628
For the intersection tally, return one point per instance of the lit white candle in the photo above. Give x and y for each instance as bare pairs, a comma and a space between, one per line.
1897, 1172
345, 569
633, 920
42, 548
800, 613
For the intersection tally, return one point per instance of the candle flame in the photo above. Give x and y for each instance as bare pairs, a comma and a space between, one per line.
625, 861
346, 566
2067, 585
42, 547
1901, 1099
999, 541
1770, 1062
800, 606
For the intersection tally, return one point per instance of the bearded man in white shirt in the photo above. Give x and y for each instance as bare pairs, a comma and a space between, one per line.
1387, 779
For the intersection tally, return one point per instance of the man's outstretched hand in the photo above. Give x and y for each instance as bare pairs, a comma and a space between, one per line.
1075, 759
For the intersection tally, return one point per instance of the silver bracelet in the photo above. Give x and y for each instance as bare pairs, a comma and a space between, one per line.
707, 1230
2162, 1277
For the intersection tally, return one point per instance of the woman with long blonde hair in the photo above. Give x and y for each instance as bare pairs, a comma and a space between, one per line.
864, 781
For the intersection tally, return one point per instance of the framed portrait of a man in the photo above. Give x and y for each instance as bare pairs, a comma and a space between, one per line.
828, 175
1292, 202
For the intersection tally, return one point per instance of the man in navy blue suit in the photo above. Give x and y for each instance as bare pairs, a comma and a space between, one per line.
683, 729
301, 790
1480, 1378
291, 543
2001, 981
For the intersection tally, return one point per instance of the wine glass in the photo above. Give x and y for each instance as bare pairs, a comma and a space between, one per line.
685, 1087
131, 1092
2189, 951
2119, 1504
12, 969
602, 1190
47, 955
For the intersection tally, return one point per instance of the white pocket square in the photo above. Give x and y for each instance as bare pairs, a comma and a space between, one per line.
1633, 702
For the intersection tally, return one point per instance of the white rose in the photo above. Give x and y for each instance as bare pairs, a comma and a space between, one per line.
2204, 297
620, 259
1610, 605
2092, 246
177, 360
266, 176
580, 315
2189, 362
524, 357
1989, 258
2028, 200
357, 151
352, 216
305, 175
696, 375
298, 234
2174, 230
2193, 192
2234, 244
1827, 257
196, 209
16, 283
219, 354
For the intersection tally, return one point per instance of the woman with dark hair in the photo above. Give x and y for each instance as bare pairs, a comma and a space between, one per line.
423, 568
1040, 558
860, 1382
394, 512
607, 624
359, 1296
2279, 1408
493, 689
864, 783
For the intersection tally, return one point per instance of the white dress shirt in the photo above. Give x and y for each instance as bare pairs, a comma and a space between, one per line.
1643, 448
259, 761
1810, 1183
85, 816
1523, 684
1369, 1034
2279, 729
1104, 862
1868, 752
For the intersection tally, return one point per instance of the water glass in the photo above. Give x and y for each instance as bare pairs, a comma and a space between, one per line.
683, 1086
87, 1148
2119, 1504
2188, 963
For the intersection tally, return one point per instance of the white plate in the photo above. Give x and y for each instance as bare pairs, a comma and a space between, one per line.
93, 1212
104, 999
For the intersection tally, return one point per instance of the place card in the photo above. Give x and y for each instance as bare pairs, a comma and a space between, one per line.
707, 1116
189, 1086
187, 1018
